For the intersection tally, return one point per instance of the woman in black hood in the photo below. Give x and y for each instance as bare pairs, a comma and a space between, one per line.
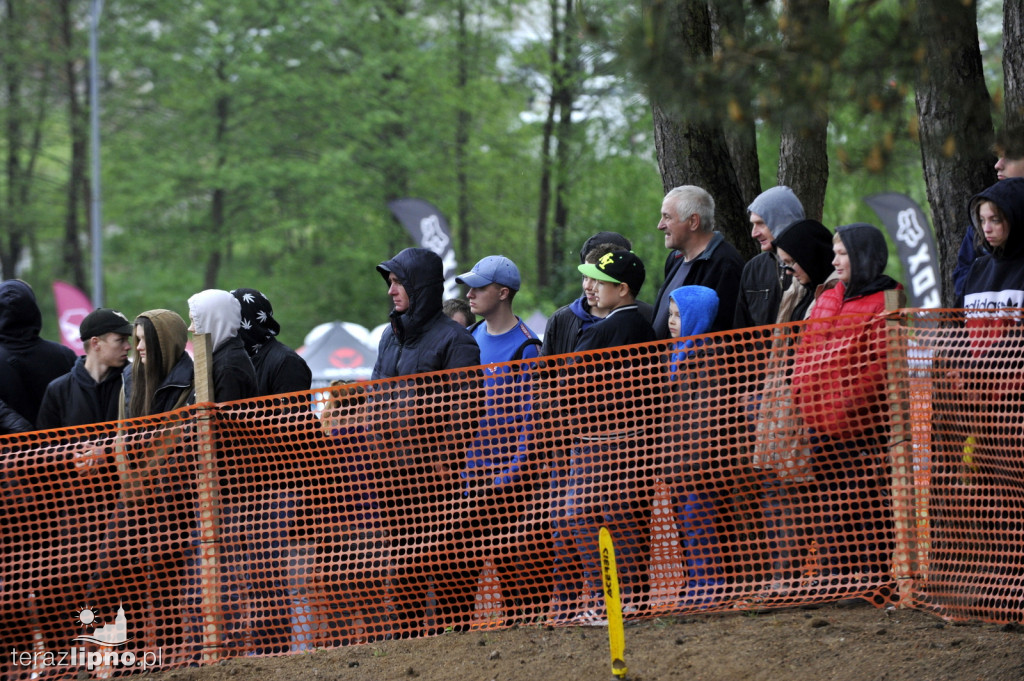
996, 280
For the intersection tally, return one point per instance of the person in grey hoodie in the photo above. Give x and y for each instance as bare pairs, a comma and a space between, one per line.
763, 280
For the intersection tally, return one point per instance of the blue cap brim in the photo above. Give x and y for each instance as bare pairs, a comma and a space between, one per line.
472, 280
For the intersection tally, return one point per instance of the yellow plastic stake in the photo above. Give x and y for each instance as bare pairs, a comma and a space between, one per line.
613, 604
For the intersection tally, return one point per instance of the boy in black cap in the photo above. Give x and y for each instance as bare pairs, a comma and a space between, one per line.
603, 485
89, 392
619, 276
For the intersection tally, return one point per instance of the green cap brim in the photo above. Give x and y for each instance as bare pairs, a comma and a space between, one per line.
593, 272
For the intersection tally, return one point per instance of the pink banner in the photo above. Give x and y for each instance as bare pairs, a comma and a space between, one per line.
72, 306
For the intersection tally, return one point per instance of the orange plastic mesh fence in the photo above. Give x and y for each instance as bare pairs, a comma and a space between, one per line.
878, 457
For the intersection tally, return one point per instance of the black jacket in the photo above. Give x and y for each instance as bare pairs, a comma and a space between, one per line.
75, 399
233, 375
422, 338
719, 268
568, 322
11, 421
27, 362
279, 369
761, 287
625, 326
168, 395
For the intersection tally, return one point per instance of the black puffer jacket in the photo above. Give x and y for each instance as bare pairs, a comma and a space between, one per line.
27, 362
422, 338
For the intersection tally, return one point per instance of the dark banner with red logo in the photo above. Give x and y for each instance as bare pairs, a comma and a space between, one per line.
338, 351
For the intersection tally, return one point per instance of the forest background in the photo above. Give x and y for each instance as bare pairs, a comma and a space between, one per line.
256, 143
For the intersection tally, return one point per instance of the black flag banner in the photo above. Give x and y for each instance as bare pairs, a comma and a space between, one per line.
429, 229
915, 245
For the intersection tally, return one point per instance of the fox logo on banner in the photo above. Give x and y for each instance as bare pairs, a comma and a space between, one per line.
429, 229
915, 246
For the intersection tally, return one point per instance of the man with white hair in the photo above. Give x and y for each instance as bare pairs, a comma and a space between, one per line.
700, 255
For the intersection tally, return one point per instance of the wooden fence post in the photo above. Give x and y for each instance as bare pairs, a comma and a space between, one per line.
209, 499
901, 449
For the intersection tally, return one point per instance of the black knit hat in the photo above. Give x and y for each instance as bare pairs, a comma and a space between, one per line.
809, 243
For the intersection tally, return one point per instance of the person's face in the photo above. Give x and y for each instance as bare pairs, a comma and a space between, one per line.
112, 349
1009, 167
841, 261
760, 232
673, 319
993, 224
590, 291
140, 343
485, 300
609, 294
790, 265
677, 229
396, 290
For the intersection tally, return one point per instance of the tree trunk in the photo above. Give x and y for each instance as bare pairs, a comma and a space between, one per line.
463, 121
954, 121
73, 264
218, 196
803, 149
10, 251
728, 22
564, 94
546, 162
692, 150
1013, 64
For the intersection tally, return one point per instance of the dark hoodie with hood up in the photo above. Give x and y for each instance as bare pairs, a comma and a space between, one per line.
27, 362
869, 254
422, 338
996, 279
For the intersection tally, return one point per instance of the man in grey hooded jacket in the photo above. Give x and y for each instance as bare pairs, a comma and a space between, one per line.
763, 281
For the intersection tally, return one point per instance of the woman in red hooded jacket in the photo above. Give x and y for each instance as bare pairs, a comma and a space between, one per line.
839, 384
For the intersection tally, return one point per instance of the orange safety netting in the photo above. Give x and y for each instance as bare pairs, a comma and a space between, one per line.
879, 457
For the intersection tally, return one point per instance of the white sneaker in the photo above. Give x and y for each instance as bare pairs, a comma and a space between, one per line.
590, 618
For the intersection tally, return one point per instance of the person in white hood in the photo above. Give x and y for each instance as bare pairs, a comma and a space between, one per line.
219, 314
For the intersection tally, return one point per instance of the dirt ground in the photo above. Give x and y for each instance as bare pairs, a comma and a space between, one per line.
831, 643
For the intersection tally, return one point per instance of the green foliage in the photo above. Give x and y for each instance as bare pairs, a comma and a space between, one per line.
306, 116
